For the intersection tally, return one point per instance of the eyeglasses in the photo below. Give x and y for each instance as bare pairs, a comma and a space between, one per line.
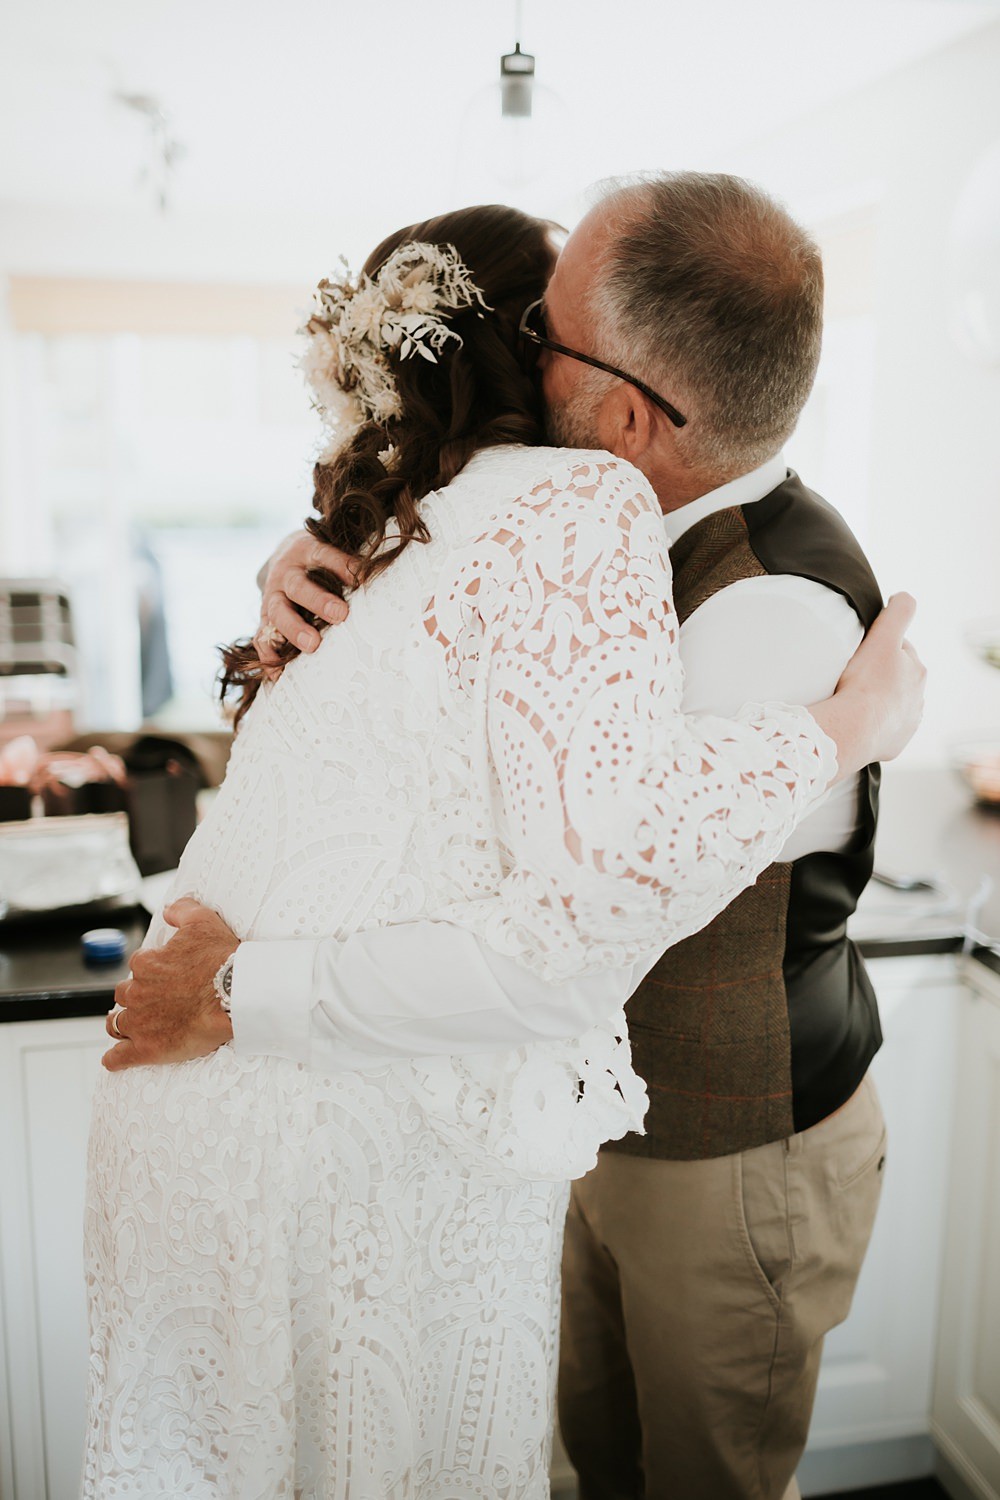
533, 328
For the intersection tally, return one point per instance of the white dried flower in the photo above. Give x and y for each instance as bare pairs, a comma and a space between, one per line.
419, 298
357, 322
363, 314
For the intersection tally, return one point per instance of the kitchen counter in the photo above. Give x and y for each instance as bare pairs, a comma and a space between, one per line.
43, 974
929, 829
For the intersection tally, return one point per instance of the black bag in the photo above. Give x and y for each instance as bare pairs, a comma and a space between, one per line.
164, 778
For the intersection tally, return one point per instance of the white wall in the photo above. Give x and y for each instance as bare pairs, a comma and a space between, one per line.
908, 142
135, 242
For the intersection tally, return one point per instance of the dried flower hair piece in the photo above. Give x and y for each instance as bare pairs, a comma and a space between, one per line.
358, 321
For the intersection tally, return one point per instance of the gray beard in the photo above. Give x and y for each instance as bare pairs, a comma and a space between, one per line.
573, 424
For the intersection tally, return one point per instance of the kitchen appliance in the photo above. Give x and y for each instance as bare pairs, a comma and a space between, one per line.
39, 668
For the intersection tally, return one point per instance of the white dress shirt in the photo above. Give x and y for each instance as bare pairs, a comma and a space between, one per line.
424, 988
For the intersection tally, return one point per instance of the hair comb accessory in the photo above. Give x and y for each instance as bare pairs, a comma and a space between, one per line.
360, 320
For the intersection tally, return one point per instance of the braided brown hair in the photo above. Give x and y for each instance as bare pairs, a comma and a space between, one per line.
479, 394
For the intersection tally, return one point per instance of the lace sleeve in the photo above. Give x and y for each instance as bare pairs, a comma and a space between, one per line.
627, 825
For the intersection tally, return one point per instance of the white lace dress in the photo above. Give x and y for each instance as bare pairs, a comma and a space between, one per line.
345, 1288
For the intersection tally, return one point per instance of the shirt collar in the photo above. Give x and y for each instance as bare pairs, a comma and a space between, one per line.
744, 490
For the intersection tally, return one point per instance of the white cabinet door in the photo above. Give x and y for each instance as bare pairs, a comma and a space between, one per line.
47, 1073
967, 1389
876, 1379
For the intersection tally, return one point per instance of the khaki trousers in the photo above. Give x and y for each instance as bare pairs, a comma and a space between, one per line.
696, 1296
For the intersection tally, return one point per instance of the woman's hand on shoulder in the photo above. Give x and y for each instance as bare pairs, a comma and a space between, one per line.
879, 701
887, 672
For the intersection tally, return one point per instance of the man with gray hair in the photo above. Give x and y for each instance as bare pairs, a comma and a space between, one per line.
705, 1260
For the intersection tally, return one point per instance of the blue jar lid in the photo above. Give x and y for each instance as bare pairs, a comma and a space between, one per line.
104, 945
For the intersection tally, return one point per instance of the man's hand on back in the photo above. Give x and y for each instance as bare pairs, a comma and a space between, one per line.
169, 1009
287, 583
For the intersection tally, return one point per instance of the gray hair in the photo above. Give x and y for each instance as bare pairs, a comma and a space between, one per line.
711, 293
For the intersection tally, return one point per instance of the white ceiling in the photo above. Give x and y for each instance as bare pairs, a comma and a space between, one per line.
296, 105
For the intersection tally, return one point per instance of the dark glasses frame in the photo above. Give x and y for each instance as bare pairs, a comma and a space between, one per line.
535, 310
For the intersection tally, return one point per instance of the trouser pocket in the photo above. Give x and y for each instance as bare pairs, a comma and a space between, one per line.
763, 1203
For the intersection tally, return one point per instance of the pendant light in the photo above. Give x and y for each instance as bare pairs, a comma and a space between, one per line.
513, 137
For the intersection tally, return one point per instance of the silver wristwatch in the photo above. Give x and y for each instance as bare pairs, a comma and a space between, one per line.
223, 984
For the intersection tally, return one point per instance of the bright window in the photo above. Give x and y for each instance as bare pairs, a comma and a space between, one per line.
163, 468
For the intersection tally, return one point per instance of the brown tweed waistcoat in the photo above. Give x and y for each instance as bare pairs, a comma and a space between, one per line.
710, 1025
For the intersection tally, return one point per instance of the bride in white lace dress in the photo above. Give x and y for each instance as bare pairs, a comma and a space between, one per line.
330, 1287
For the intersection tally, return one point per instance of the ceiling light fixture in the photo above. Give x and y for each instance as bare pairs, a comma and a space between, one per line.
517, 82
512, 137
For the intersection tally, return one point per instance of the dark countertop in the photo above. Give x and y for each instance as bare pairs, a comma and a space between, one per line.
929, 828
43, 975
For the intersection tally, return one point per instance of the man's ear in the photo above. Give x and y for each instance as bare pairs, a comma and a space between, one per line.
626, 426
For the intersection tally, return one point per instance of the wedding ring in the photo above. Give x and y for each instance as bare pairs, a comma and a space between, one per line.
118, 1011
